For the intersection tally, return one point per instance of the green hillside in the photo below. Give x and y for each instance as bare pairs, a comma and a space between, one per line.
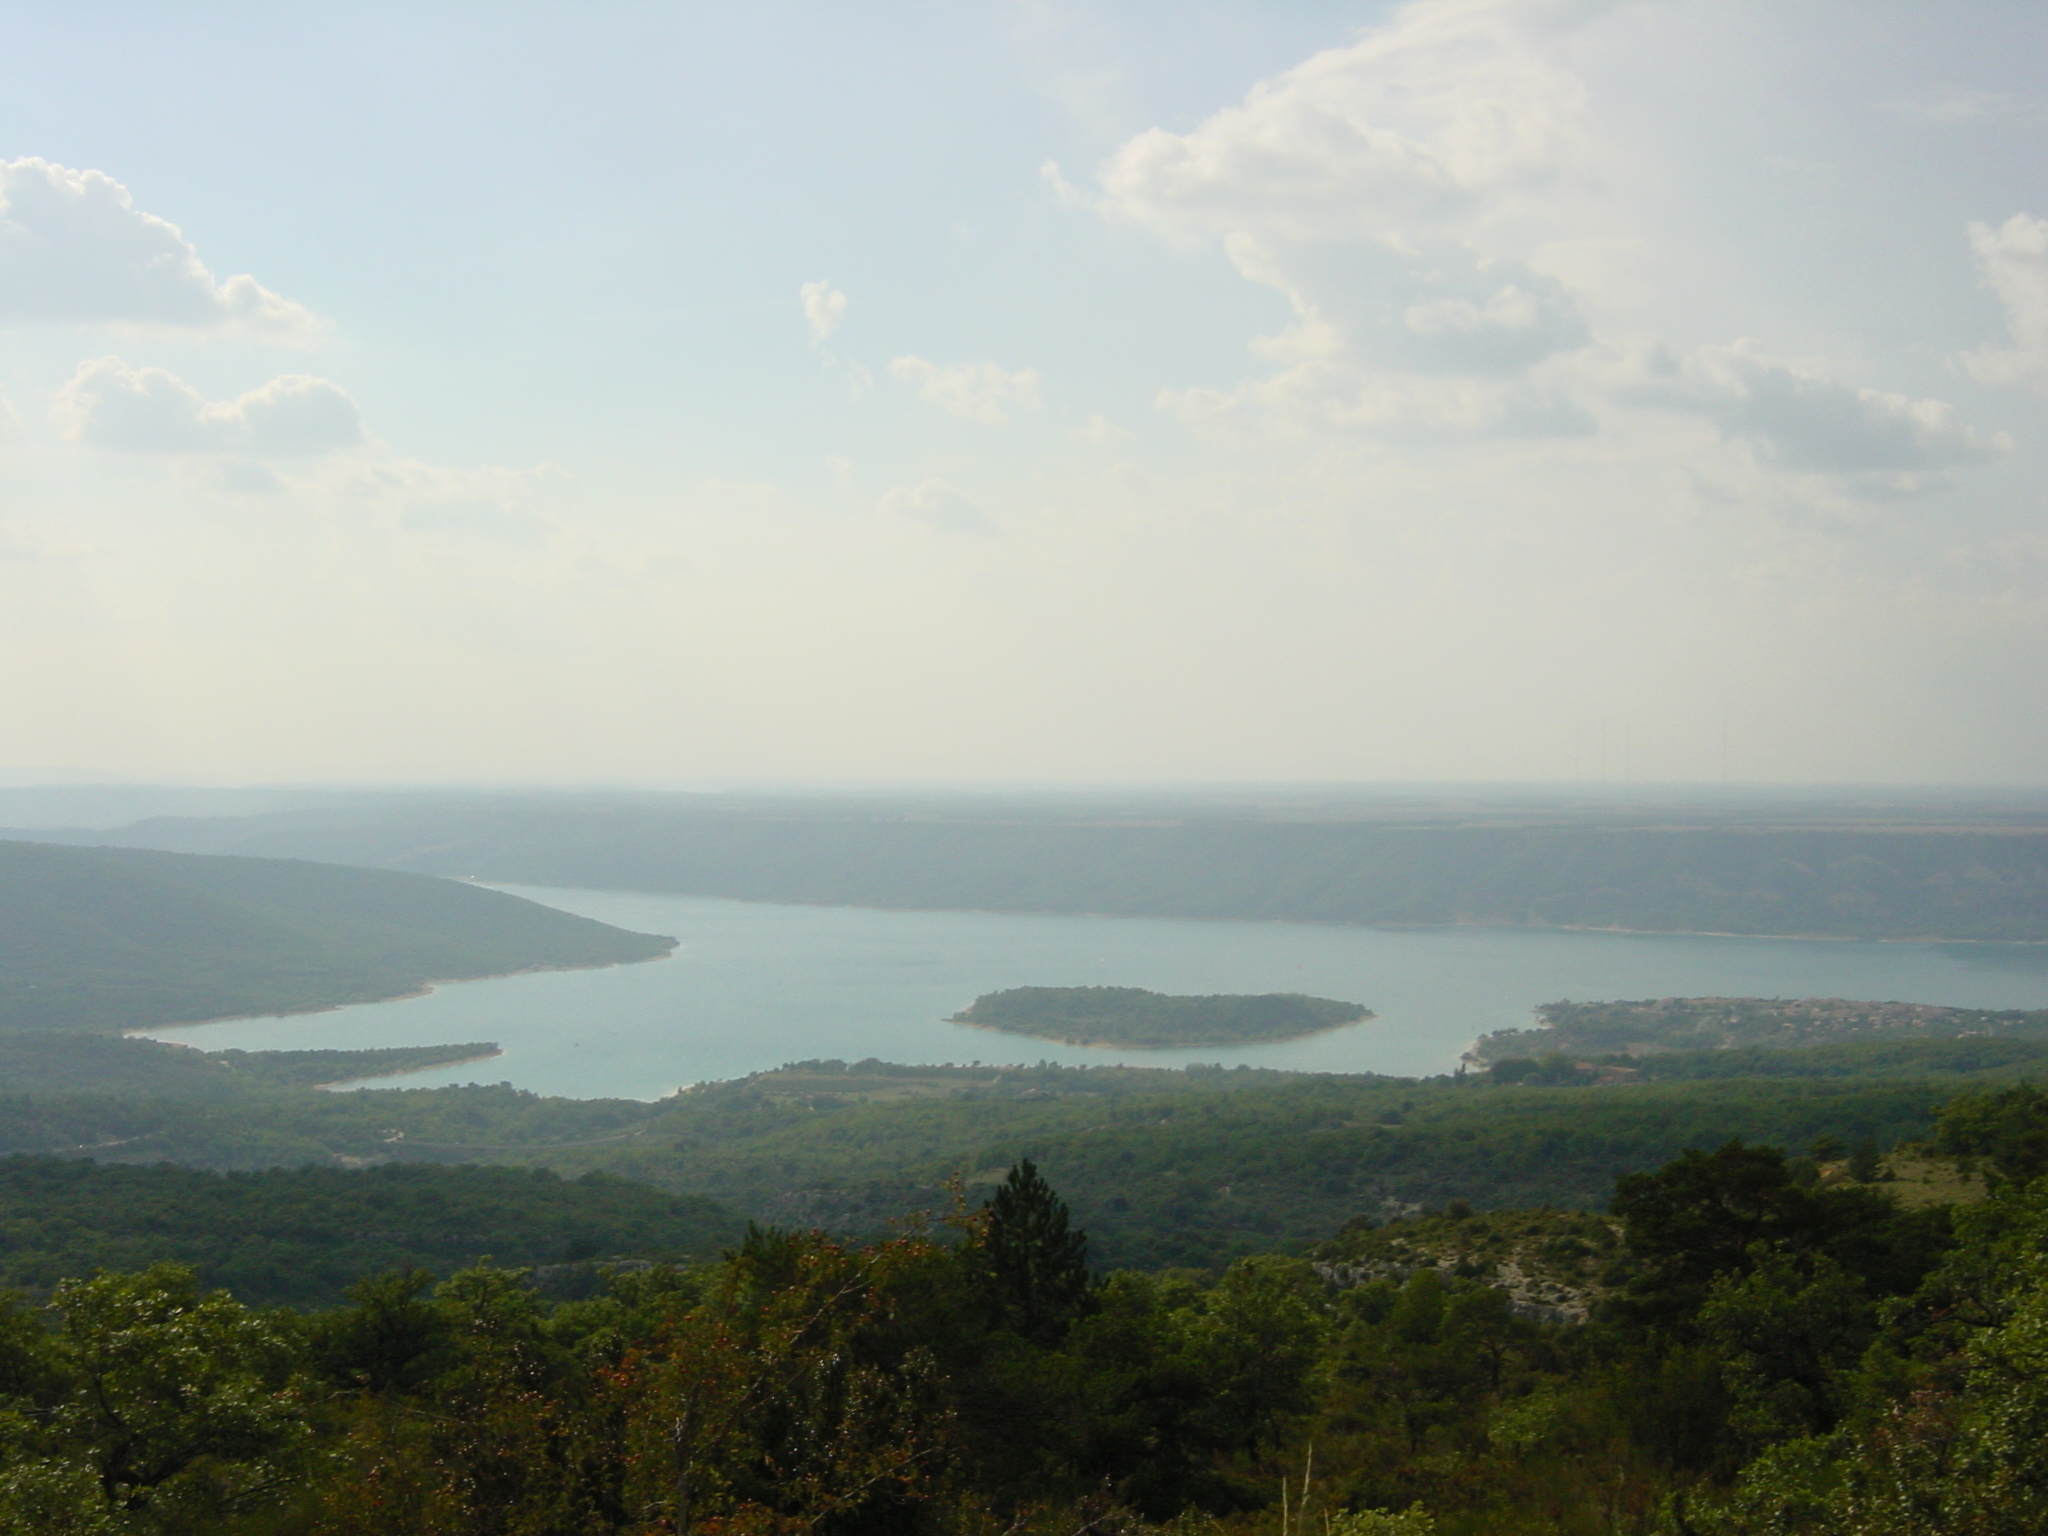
104, 939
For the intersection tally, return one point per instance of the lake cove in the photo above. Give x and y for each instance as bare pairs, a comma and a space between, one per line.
753, 986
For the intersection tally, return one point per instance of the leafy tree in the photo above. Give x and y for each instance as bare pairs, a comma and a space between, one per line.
776, 1403
2008, 1128
1788, 1336
390, 1339
178, 1402
1709, 1214
1960, 1453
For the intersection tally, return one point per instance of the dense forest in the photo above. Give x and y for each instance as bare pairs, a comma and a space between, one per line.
1745, 1343
1133, 1016
1168, 1168
106, 939
301, 1236
1683, 869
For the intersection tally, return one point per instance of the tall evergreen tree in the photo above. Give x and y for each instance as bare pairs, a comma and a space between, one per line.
1033, 1262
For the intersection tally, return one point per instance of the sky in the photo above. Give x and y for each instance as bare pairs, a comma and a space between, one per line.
1533, 391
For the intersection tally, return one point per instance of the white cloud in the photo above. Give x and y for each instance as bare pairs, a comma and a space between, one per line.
2013, 260
1063, 189
1397, 192
824, 308
149, 410
74, 248
1804, 420
978, 391
1415, 128
943, 506
1409, 195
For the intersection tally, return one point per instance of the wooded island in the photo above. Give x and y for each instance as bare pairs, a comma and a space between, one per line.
1132, 1016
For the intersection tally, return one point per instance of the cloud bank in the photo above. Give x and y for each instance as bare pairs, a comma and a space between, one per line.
1806, 421
1415, 197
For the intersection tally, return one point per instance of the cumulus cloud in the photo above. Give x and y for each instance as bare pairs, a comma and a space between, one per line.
978, 391
1394, 191
1803, 420
943, 506
1435, 308
1409, 195
74, 248
1415, 127
2013, 261
149, 410
824, 308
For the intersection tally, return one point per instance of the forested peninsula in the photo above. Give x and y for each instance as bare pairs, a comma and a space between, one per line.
1132, 1016
107, 939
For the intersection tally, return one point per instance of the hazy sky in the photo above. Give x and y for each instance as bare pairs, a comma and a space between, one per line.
1473, 389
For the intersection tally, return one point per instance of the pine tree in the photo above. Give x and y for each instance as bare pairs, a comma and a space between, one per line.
1033, 1264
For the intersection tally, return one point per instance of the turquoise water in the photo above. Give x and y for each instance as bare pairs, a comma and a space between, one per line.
754, 986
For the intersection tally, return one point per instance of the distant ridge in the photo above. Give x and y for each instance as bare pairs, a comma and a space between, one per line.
1853, 872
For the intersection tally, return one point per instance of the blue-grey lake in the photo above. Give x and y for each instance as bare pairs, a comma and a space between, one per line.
754, 986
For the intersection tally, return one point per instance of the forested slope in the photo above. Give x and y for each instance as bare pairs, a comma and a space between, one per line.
1736, 1346
301, 1236
106, 939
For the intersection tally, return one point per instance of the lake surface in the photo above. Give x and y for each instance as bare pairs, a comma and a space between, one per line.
754, 986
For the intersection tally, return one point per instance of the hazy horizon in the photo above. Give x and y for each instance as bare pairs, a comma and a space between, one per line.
1584, 396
